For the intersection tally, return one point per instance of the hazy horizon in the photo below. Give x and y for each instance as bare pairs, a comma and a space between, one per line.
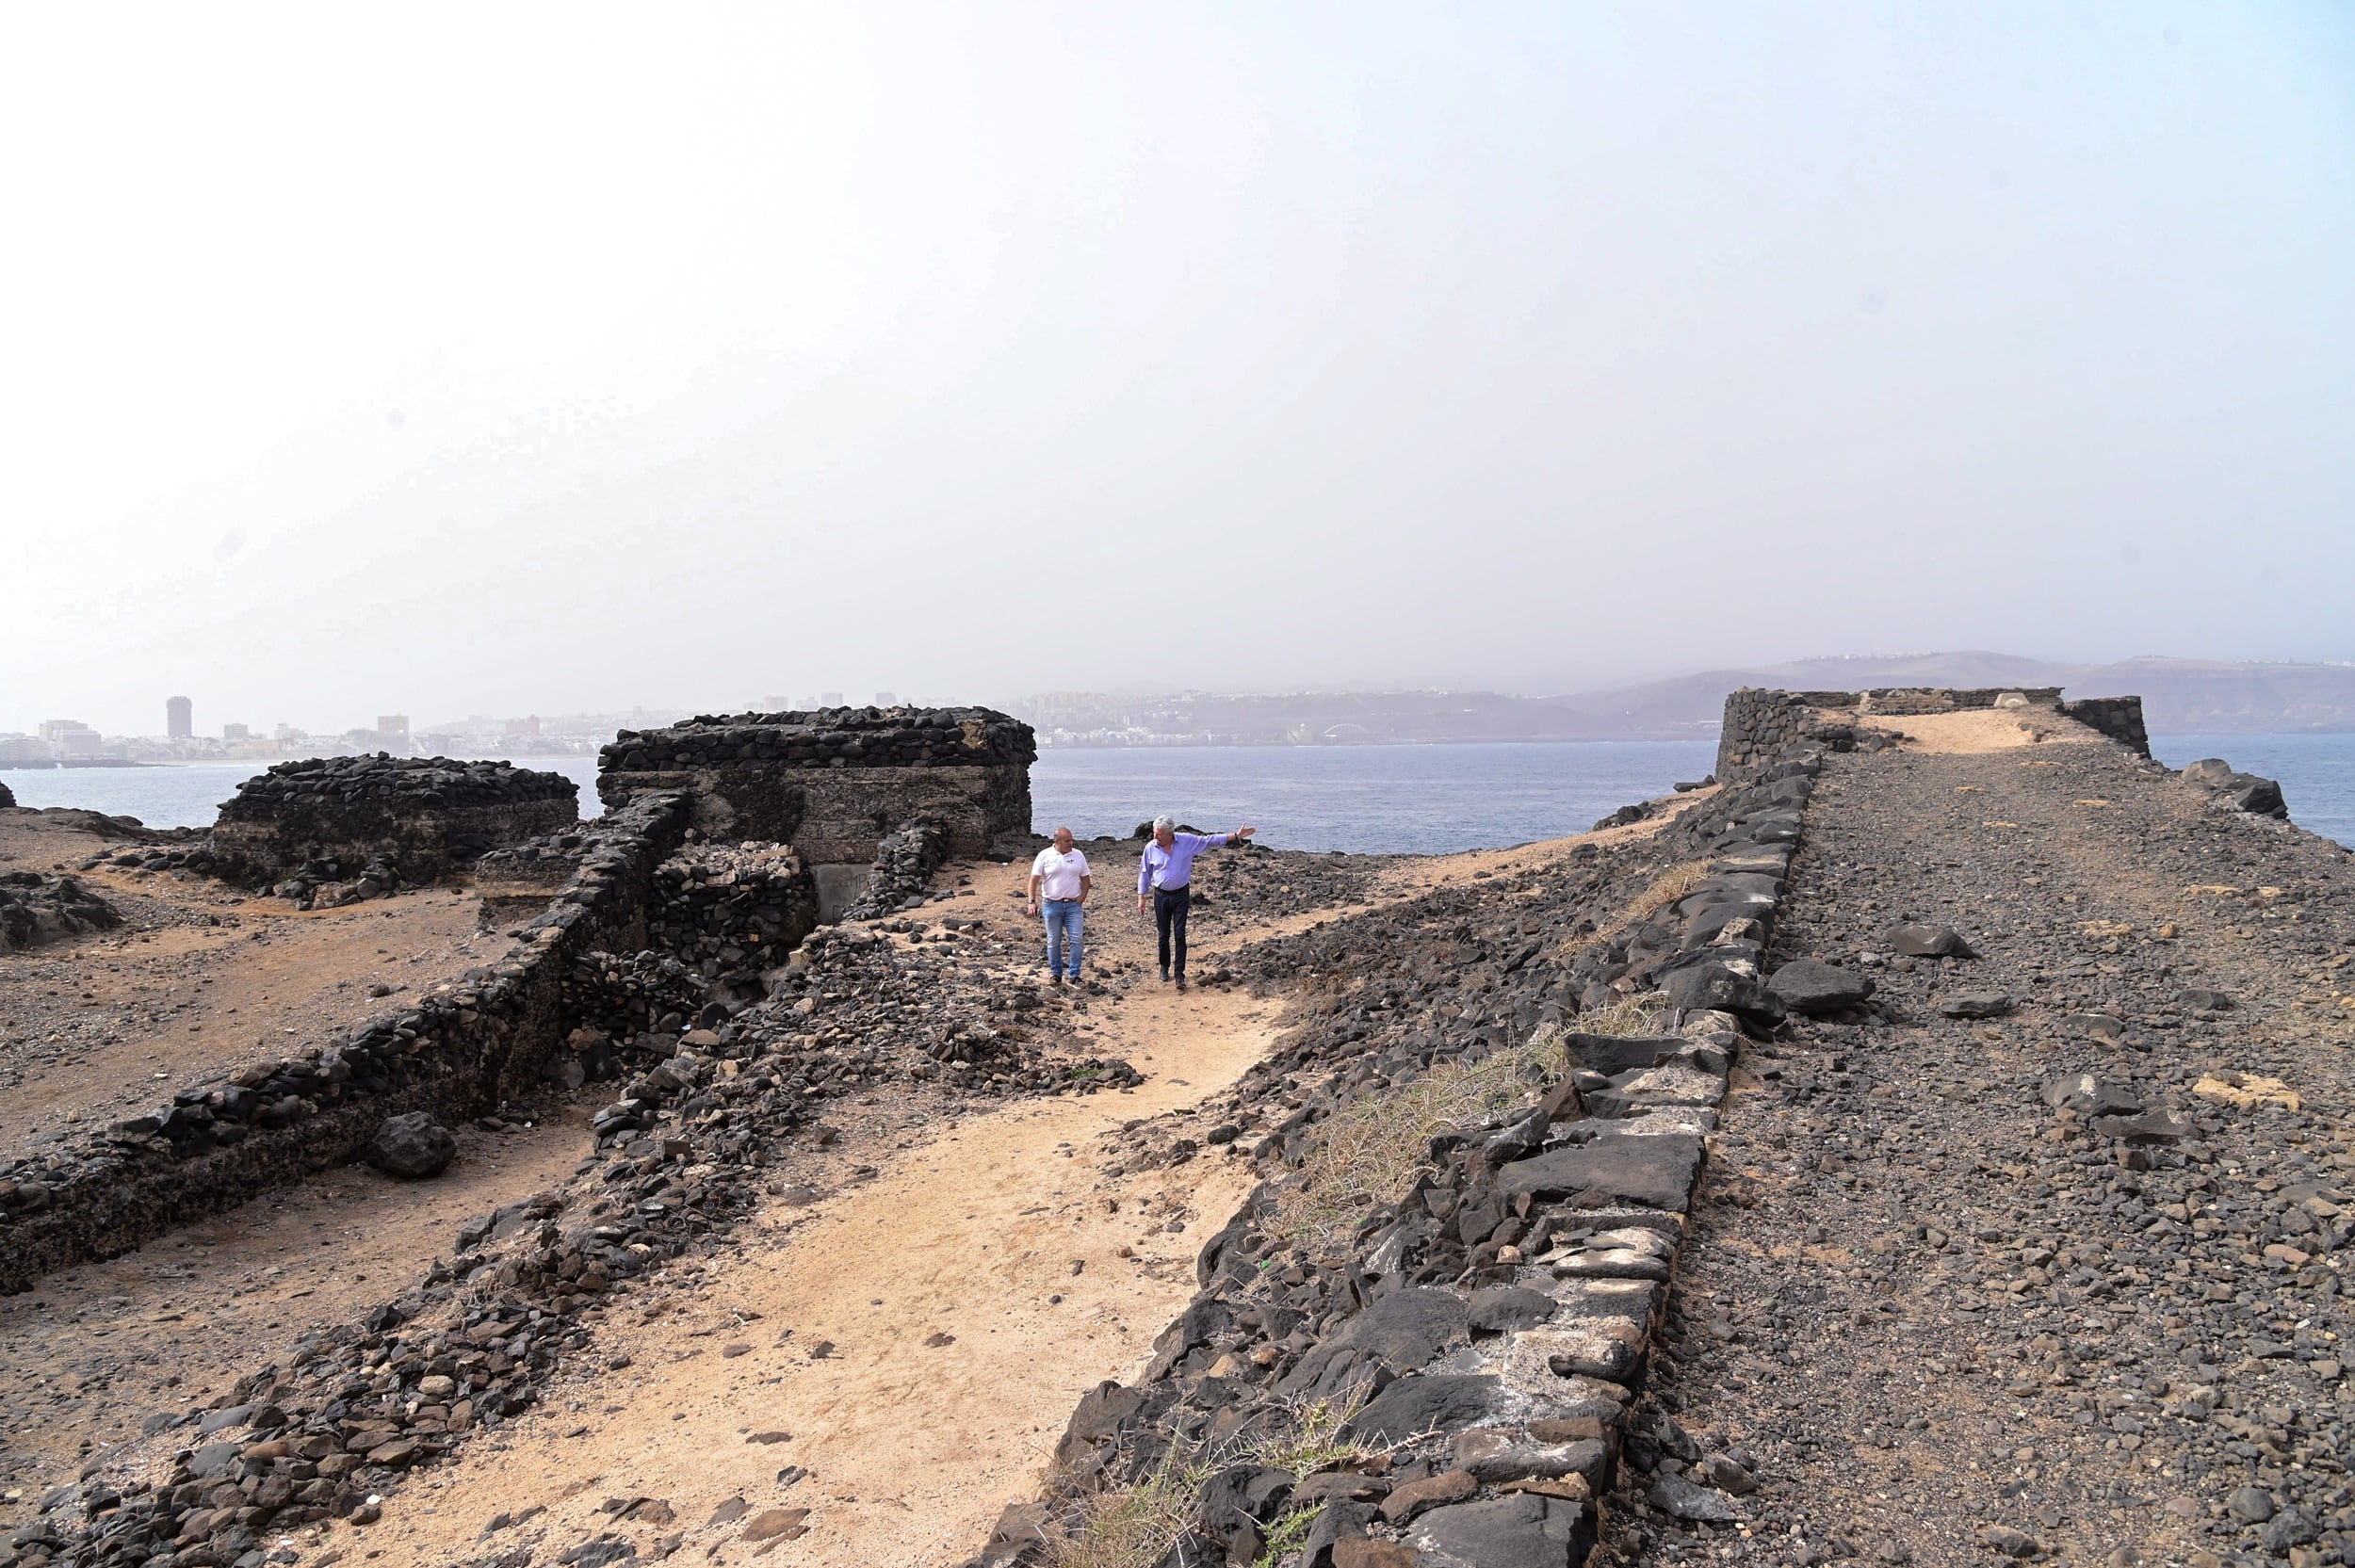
459, 362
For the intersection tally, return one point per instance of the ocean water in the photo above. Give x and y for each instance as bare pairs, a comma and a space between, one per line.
1422, 799
188, 795
1416, 800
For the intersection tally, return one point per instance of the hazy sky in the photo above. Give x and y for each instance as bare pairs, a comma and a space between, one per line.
485, 359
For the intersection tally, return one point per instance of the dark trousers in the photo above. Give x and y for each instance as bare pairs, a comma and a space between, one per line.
1170, 905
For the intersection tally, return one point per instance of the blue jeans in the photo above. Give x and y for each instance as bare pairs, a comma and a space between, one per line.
1065, 923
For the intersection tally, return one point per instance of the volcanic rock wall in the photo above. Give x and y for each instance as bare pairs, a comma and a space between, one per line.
424, 816
459, 1051
1485, 1334
836, 783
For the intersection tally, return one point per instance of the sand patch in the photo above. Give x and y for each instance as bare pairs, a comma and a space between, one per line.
2247, 1090
1975, 731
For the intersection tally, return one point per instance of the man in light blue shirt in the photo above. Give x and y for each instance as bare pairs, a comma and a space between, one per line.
1165, 875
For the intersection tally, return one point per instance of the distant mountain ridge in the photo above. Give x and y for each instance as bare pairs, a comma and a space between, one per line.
2179, 696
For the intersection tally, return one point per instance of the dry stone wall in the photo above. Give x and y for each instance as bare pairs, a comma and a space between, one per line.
1474, 1343
464, 1048
420, 817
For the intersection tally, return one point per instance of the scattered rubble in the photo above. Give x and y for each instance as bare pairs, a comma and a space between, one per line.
38, 907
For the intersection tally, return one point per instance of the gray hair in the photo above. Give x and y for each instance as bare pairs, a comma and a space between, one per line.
1160, 822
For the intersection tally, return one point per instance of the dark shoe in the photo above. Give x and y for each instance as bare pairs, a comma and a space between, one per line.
1181, 982
1054, 979
1164, 974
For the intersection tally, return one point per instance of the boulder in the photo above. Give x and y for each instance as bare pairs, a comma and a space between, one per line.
1499, 1308
2257, 796
1928, 942
2089, 1096
1521, 1531
1413, 1406
1817, 990
1614, 1054
1683, 1499
1657, 1170
2207, 773
1405, 1329
2152, 1126
1717, 985
413, 1145
2232, 790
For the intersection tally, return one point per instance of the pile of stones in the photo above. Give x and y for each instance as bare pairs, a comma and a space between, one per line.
858, 1008
153, 858
327, 882
624, 1008
827, 738
36, 907
731, 912
904, 863
1249, 882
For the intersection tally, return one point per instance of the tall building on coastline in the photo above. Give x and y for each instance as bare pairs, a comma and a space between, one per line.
179, 718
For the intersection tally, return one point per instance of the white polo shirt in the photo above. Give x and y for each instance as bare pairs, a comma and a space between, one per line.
1059, 874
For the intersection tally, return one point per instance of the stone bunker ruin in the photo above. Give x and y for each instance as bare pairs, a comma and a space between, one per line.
1762, 724
847, 787
419, 817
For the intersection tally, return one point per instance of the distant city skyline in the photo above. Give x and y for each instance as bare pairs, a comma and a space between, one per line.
2183, 696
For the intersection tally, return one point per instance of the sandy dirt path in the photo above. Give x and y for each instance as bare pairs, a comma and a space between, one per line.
956, 1337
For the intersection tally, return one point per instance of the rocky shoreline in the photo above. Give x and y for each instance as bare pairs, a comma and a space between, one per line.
1572, 1169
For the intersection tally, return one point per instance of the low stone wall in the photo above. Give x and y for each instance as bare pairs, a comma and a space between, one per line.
423, 816
461, 1050
833, 783
1478, 1340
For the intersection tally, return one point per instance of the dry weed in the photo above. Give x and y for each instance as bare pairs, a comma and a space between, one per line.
1371, 1153
1135, 1526
1662, 890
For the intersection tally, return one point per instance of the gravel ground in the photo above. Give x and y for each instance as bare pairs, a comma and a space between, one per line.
1944, 1320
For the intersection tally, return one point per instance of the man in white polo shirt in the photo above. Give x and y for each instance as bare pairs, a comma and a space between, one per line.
1059, 882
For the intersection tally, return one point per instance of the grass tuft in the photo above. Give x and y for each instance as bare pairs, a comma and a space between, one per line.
1134, 1526
1371, 1153
1307, 1436
1288, 1534
1633, 1015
